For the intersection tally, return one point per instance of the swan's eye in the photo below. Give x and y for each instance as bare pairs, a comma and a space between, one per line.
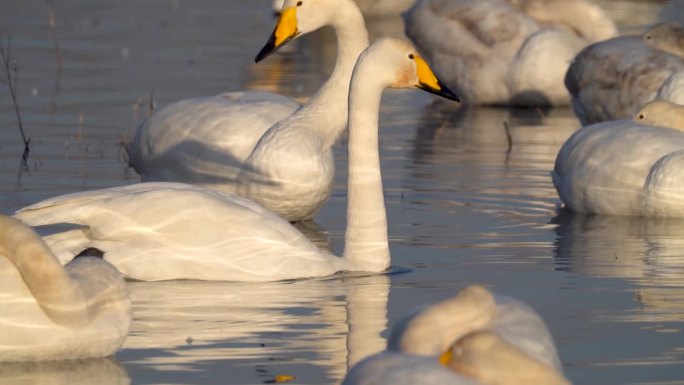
411, 56
640, 117
299, 3
648, 37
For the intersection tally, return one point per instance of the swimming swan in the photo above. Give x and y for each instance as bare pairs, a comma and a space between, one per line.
622, 167
475, 337
506, 52
370, 8
161, 231
612, 79
232, 142
52, 312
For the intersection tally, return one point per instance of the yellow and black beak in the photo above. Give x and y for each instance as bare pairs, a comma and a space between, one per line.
285, 30
428, 81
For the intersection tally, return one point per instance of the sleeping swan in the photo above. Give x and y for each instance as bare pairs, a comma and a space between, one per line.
474, 338
506, 52
612, 79
232, 142
161, 231
625, 167
52, 312
370, 8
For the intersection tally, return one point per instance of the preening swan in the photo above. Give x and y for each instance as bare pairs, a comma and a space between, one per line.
232, 142
478, 338
612, 79
159, 231
371, 8
54, 312
510, 52
622, 167
661, 113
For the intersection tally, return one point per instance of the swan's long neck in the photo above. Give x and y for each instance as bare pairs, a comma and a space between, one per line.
328, 107
366, 244
54, 290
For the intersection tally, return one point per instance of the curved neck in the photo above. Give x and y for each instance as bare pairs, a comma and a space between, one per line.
54, 290
366, 244
328, 107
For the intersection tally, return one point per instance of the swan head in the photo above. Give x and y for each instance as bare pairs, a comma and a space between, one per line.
299, 17
667, 37
396, 64
661, 113
489, 359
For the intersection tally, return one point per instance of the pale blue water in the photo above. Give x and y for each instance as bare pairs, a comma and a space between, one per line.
463, 207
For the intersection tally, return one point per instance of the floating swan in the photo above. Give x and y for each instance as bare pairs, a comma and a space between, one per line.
160, 231
478, 337
52, 312
661, 113
622, 168
231, 142
371, 8
506, 51
612, 79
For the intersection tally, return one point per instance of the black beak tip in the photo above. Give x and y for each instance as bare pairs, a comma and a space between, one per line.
449, 94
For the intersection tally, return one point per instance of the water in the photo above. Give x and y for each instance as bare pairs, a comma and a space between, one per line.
464, 206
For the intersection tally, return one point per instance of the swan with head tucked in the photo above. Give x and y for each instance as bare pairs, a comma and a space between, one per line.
622, 167
473, 338
612, 79
53, 312
506, 52
158, 231
661, 113
232, 141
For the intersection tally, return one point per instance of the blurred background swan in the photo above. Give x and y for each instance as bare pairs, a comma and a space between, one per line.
101, 371
454, 332
612, 79
623, 167
370, 8
505, 52
81, 311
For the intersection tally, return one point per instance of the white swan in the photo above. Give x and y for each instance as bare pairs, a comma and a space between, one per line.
622, 168
371, 8
230, 141
52, 312
612, 79
478, 337
506, 51
661, 113
158, 231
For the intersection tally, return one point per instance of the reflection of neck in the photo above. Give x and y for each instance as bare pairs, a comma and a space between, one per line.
366, 316
54, 290
328, 107
366, 245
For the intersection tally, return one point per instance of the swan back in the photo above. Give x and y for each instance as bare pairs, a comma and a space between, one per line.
661, 113
489, 359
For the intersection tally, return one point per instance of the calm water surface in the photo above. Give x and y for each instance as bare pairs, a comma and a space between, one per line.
464, 206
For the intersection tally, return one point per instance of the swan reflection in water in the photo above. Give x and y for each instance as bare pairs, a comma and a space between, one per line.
100, 371
309, 326
646, 251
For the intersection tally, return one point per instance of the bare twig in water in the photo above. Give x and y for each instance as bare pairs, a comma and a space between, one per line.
53, 34
152, 105
10, 79
508, 136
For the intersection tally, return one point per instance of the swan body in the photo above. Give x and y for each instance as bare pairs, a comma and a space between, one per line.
622, 168
506, 52
370, 8
161, 230
54, 312
612, 79
480, 338
261, 146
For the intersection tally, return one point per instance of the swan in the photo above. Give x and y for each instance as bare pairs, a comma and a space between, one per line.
370, 8
232, 141
475, 337
50, 312
622, 167
612, 79
661, 113
506, 52
162, 230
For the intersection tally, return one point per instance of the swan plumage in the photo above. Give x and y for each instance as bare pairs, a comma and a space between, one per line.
473, 335
260, 145
53, 312
622, 167
506, 51
370, 8
162, 230
661, 113
612, 79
